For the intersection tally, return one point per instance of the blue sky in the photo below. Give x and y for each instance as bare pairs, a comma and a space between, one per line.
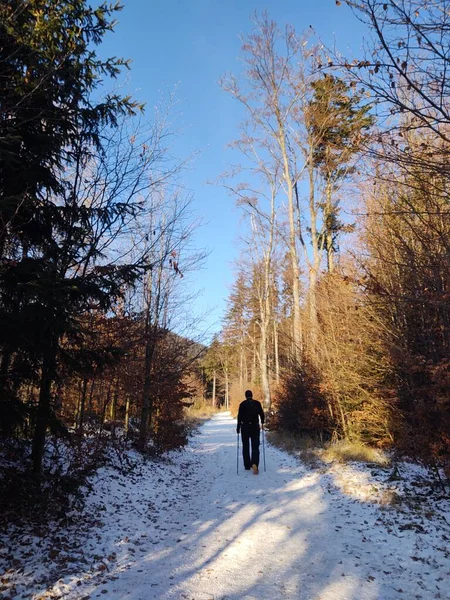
191, 44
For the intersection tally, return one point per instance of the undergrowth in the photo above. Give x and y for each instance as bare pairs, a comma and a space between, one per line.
347, 451
195, 416
314, 451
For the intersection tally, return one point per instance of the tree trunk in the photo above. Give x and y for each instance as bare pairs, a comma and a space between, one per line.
297, 325
312, 309
147, 404
227, 391
91, 395
276, 351
254, 358
214, 390
80, 415
113, 405
329, 231
264, 372
241, 367
43, 411
314, 266
113, 409
105, 406
127, 415
265, 317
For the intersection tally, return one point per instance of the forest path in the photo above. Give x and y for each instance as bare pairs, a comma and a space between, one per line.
288, 533
188, 527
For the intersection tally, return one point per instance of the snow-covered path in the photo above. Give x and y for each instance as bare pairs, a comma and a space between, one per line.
192, 529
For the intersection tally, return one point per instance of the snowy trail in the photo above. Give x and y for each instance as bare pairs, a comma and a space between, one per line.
192, 529
284, 534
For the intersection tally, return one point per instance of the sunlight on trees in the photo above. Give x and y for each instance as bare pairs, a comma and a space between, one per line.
338, 318
358, 348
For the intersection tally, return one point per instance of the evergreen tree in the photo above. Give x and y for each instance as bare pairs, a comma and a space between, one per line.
50, 128
338, 123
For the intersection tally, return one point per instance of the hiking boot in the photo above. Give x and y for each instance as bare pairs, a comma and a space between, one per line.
255, 470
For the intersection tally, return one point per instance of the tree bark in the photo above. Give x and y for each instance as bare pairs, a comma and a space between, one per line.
91, 395
44, 407
264, 372
276, 351
127, 414
329, 231
297, 325
227, 391
81, 406
147, 403
314, 266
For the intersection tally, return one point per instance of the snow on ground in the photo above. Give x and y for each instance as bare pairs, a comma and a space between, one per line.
191, 528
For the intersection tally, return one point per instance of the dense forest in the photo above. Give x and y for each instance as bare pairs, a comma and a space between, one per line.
339, 316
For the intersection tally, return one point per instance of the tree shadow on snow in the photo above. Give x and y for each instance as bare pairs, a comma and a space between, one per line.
281, 535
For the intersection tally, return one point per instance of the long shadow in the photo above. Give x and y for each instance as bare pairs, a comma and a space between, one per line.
282, 535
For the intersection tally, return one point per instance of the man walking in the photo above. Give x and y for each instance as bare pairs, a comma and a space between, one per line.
250, 411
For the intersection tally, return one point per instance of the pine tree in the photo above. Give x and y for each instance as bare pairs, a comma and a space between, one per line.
49, 245
338, 124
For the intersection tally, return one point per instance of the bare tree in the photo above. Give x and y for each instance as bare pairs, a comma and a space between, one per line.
260, 206
405, 71
167, 239
271, 99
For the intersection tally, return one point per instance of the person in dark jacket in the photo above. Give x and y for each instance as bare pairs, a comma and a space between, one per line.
250, 412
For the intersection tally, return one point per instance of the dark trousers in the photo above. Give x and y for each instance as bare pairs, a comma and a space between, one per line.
250, 434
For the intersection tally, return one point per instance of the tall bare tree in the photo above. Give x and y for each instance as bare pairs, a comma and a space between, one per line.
270, 98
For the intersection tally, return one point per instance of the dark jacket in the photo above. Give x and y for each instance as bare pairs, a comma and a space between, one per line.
249, 411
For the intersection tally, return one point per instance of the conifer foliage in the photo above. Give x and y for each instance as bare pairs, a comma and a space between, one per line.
75, 178
50, 124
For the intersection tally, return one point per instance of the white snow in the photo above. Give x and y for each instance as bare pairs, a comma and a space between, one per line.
190, 528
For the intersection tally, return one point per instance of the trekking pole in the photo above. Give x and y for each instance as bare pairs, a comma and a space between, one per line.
237, 456
264, 448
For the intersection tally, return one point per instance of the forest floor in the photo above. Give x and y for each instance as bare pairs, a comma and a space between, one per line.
188, 527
